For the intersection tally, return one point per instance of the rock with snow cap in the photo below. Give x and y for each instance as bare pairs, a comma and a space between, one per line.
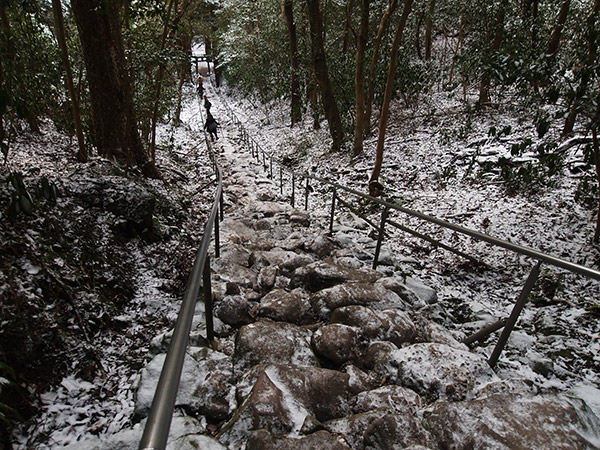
322, 246
206, 385
424, 292
327, 300
319, 440
395, 431
338, 343
284, 306
283, 396
391, 397
286, 260
234, 310
437, 371
277, 342
506, 421
184, 433
322, 274
124, 198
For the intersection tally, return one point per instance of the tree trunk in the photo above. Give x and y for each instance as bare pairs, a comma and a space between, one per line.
158, 83
371, 82
586, 71
429, 30
596, 146
115, 127
296, 101
554, 43
62, 43
348, 30
322, 74
359, 79
484, 86
458, 47
375, 188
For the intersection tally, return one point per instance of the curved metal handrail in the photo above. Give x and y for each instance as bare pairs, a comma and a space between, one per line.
156, 431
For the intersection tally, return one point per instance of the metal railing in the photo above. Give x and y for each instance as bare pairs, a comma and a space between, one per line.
156, 431
507, 324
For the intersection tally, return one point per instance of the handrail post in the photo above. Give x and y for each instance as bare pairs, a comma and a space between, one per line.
333, 198
281, 180
293, 188
221, 202
271, 167
514, 315
307, 188
384, 215
264, 162
217, 237
208, 301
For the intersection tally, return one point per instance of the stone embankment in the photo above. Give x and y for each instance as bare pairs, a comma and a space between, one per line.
315, 350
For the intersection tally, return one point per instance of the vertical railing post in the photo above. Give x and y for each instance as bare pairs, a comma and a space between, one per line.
221, 205
307, 188
217, 237
208, 301
331, 216
281, 180
271, 167
264, 163
384, 215
514, 315
293, 188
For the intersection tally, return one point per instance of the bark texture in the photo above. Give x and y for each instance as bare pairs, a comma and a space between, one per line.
115, 126
375, 188
322, 74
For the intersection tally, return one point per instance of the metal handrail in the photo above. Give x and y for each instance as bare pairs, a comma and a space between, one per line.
156, 431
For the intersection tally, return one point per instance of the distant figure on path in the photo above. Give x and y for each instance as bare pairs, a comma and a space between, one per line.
211, 126
207, 105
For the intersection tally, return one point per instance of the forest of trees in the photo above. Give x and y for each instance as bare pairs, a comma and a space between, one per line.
107, 71
359, 55
120, 65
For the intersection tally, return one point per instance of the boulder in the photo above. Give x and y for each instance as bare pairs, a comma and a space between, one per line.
391, 398
121, 196
206, 385
507, 421
283, 396
322, 246
286, 306
437, 371
234, 310
337, 343
275, 342
182, 435
322, 274
286, 260
395, 431
422, 291
353, 427
354, 293
319, 440
366, 319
